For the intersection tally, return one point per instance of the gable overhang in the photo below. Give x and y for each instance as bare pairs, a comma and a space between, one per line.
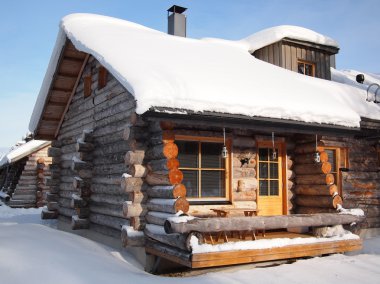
63, 84
328, 49
236, 121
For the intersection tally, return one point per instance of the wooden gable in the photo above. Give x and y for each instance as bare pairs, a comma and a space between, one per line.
65, 80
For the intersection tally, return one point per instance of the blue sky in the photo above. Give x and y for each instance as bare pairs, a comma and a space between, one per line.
28, 30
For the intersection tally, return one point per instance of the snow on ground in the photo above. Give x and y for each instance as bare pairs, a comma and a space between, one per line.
31, 252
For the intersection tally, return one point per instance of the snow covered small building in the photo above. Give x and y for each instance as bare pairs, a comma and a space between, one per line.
146, 125
22, 174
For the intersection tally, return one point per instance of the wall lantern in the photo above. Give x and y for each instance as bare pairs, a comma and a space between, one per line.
317, 157
224, 149
274, 152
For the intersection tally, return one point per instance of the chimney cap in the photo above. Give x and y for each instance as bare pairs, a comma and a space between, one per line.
177, 9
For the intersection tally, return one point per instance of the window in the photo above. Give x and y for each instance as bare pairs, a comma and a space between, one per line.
338, 159
306, 68
203, 168
269, 178
87, 86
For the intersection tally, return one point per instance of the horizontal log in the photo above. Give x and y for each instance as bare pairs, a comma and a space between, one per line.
163, 165
309, 158
157, 233
135, 132
316, 168
157, 179
162, 137
50, 197
327, 190
51, 206
49, 214
87, 135
168, 205
112, 179
131, 237
361, 175
205, 225
79, 223
309, 147
84, 147
54, 152
133, 209
168, 151
134, 157
110, 210
315, 179
318, 201
167, 192
81, 183
109, 221
157, 218
109, 198
244, 142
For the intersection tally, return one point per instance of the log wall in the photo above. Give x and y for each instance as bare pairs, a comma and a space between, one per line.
88, 157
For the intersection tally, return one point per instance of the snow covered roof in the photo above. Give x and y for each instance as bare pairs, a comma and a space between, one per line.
275, 34
220, 76
23, 151
348, 77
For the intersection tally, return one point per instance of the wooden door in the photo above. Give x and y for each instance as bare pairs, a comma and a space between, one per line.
270, 199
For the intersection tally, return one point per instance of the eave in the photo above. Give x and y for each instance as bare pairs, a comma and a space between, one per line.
234, 121
66, 77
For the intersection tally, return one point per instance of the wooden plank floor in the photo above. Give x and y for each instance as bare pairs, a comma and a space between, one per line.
259, 255
213, 259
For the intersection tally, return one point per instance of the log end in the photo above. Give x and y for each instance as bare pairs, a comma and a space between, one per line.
182, 204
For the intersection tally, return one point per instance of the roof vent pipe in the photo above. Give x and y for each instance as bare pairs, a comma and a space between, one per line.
177, 21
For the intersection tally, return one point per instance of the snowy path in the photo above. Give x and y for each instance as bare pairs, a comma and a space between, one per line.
32, 253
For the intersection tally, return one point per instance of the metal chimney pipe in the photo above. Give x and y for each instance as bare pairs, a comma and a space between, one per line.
177, 21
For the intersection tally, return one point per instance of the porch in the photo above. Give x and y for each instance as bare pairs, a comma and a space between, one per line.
243, 256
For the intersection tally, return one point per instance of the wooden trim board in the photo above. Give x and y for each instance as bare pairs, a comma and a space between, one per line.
288, 252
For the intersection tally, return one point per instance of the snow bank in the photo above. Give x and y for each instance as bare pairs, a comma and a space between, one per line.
23, 151
31, 253
161, 70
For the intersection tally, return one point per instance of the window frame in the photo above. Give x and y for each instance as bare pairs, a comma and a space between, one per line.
304, 62
227, 169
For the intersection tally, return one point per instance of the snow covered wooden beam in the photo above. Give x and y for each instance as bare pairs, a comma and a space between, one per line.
259, 223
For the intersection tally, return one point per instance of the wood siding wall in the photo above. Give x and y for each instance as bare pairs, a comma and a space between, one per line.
287, 54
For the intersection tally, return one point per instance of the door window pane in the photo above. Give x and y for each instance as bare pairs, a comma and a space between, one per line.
263, 184
273, 187
273, 170
263, 168
263, 154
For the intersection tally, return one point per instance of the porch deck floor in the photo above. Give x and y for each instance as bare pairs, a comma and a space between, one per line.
223, 258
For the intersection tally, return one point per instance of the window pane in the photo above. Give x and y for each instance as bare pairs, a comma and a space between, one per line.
263, 185
273, 170
271, 155
274, 187
309, 69
212, 184
332, 157
301, 67
190, 180
263, 154
187, 154
211, 155
263, 168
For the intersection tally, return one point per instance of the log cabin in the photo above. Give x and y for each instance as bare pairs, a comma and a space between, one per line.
184, 147
23, 174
